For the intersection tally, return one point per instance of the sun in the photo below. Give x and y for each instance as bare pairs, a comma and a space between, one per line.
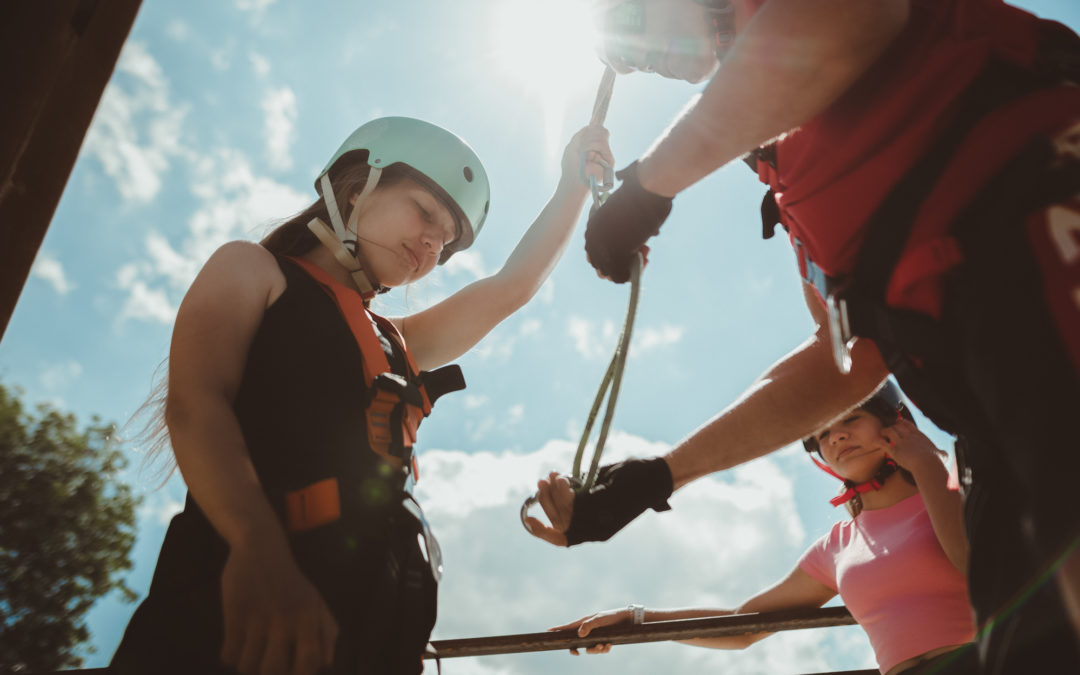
547, 49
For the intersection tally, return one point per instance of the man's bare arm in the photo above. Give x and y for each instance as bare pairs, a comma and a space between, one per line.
790, 61
799, 394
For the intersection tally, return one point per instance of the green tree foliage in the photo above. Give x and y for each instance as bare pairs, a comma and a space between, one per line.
67, 525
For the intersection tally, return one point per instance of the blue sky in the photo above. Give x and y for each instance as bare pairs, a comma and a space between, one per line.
215, 123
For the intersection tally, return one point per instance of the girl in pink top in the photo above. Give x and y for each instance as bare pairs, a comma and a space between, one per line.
897, 564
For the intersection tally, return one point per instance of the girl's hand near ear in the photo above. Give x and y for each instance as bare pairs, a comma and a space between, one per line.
911, 448
915, 452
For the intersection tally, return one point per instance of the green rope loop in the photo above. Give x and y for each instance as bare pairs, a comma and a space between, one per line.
612, 378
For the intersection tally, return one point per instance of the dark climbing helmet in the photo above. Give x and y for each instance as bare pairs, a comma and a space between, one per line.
887, 404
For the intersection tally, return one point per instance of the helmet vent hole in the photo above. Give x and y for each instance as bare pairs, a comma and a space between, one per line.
468, 174
486, 205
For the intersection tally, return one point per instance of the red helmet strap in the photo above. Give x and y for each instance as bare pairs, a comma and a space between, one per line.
888, 468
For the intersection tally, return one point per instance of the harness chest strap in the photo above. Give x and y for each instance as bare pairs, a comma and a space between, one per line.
320, 503
387, 389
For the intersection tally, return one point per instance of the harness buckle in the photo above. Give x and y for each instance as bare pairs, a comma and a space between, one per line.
840, 326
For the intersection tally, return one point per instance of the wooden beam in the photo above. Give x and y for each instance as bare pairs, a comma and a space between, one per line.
58, 57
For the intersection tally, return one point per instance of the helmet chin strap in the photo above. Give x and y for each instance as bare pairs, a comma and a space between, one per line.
888, 468
337, 239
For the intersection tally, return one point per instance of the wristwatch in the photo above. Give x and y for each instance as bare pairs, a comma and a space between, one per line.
638, 613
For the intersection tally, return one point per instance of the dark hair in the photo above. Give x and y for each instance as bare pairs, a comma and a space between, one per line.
888, 407
886, 404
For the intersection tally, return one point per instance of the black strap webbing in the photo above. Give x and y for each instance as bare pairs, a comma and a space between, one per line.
442, 381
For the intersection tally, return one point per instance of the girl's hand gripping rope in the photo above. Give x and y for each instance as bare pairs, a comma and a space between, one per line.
622, 492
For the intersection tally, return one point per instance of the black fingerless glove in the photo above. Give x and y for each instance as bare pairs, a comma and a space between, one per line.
623, 224
622, 492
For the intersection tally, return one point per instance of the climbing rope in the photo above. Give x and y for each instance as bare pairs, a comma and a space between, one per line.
612, 380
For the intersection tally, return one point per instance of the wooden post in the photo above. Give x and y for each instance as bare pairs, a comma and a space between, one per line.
57, 55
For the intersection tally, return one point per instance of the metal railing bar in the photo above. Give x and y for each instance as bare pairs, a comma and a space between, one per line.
658, 631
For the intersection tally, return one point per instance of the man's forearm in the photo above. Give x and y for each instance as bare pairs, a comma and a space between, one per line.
789, 63
798, 395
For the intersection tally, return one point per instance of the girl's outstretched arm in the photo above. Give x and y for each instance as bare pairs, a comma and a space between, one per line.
447, 330
797, 590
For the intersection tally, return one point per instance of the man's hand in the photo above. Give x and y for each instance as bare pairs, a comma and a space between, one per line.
622, 492
622, 225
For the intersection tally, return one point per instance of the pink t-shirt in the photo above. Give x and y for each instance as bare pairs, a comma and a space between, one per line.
894, 577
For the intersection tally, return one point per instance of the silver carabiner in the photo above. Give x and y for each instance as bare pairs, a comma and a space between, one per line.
575, 483
840, 328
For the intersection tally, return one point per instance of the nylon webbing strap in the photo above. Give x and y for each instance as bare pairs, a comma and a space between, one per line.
356, 315
385, 389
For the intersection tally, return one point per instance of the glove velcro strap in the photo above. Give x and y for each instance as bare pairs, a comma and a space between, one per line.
622, 492
623, 224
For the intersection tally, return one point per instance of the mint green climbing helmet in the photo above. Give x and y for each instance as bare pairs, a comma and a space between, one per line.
451, 168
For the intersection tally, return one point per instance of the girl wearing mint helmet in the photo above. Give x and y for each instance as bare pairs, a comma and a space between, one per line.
898, 564
292, 410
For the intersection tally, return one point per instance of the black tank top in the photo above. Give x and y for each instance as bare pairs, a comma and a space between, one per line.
301, 407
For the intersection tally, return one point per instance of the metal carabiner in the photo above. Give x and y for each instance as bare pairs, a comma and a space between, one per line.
575, 483
840, 335
599, 113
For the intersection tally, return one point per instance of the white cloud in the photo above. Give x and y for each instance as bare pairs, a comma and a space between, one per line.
279, 106
530, 327
254, 6
590, 340
147, 304
727, 537
160, 507
761, 285
649, 338
470, 262
259, 63
50, 270
473, 401
234, 204
136, 161
221, 58
165, 261
58, 376
178, 30
515, 414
